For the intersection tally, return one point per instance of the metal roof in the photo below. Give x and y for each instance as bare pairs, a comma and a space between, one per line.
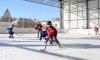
54, 3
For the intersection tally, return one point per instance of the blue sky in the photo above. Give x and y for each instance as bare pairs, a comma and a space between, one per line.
21, 8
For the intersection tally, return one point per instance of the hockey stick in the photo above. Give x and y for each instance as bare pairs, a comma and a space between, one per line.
44, 48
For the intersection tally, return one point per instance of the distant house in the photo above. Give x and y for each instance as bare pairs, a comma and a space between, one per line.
24, 23
43, 23
55, 22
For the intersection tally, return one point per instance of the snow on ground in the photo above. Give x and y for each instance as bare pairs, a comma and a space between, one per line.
27, 47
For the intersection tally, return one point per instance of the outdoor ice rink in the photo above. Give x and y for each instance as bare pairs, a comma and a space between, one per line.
27, 47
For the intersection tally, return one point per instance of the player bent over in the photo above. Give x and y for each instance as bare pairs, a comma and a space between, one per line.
10, 31
43, 33
52, 34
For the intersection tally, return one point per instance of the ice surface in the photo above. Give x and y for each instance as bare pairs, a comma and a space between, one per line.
27, 47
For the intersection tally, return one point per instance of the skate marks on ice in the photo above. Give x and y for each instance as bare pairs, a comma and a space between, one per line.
51, 49
19, 40
45, 52
80, 46
81, 38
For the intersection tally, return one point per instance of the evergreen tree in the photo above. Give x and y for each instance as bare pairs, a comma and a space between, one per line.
7, 16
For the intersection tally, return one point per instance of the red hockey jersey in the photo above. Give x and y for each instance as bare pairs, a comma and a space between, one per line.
39, 26
51, 31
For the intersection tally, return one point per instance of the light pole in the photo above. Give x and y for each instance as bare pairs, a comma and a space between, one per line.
9, 22
35, 21
9, 16
23, 22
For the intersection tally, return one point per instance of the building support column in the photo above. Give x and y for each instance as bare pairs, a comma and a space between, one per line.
69, 13
61, 15
87, 15
98, 15
77, 14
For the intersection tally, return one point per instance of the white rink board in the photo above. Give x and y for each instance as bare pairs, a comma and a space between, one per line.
32, 30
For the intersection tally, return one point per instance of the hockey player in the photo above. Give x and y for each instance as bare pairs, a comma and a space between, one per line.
52, 34
39, 28
96, 30
43, 33
10, 31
